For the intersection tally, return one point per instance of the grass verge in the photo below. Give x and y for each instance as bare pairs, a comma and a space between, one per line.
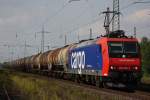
31, 87
146, 79
34, 87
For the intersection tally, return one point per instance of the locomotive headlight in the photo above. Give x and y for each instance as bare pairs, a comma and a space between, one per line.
111, 67
136, 68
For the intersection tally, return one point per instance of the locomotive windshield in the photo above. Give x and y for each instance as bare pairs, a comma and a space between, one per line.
130, 47
116, 47
123, 49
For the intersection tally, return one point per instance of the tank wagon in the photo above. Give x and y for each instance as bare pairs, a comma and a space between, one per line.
109, 60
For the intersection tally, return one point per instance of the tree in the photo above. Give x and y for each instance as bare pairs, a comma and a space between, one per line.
145, 50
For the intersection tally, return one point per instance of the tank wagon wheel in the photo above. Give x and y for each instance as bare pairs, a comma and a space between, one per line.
90, 80
64, 76
105, 85
77, 79
93, 80
99, 84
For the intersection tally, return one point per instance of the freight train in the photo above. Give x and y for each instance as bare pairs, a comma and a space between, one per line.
110, 60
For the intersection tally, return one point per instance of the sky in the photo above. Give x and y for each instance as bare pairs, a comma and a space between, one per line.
22, 20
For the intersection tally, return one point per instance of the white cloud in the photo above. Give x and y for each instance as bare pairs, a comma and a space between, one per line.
139, 19
141, 15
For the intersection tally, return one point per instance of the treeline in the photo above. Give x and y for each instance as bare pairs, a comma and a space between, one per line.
145, 52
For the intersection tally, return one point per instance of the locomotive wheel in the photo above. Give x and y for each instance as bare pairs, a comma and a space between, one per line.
105, 85
93, 80
99, 84
77, 79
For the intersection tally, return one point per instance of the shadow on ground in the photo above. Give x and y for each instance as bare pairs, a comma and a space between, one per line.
144, 87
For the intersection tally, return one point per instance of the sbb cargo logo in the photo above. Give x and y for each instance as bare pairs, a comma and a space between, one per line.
78, 61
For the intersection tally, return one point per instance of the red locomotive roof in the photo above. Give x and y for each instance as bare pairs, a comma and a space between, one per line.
123, 39
117, 39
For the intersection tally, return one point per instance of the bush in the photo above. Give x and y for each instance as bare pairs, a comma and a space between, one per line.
145, 51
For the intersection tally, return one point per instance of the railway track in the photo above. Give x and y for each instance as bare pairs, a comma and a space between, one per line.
6, 90
9, 95
118, 94
6, 93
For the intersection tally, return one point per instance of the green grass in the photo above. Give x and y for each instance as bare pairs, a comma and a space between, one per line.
31, 87
41, 89
146, 79
34, 87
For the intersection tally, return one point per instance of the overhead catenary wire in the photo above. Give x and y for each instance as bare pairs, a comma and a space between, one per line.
77, 26
135, 2
83, 25
92, 22
80, 15
143, 28
49, 18
55, 14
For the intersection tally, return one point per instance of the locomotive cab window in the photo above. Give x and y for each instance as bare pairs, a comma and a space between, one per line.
130, 47
123, 49
116, 47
